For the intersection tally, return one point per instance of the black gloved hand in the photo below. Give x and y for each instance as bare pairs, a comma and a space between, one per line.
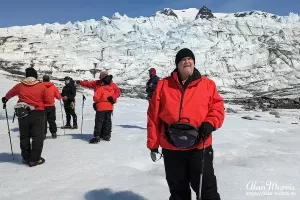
153, 154
4, 100
206, 129
111, 100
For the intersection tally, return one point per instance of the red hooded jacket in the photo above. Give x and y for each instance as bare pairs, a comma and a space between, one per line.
53, 92
100, 97
96, 84
32, 92
199, 102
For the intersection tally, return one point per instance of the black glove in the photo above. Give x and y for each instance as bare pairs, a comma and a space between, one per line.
153, 154
95, 106
206, 129
77, 82
4, 100
111, 100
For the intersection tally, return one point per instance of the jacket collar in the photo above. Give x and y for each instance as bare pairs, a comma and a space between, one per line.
193, 79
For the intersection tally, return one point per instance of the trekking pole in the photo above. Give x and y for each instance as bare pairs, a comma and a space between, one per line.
202, 170
83, 99
62, 116
12, 153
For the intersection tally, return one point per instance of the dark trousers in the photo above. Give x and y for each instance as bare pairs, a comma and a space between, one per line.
183, 170
50, 117
103, 124
70, 111
32, 126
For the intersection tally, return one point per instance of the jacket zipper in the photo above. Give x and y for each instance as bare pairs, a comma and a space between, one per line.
181, 101
182, 89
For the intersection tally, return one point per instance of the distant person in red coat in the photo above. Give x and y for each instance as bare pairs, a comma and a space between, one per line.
105, 91
50, 111
104, 110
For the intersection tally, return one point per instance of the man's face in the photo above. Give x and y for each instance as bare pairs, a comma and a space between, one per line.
186, 66
150, 74
102, 75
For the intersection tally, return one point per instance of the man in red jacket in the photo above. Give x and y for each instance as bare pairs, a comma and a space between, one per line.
112, 99
184, 111
33, 96
50, 111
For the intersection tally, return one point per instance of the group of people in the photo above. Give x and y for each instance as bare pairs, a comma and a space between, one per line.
184, 110
67, 95
36, 107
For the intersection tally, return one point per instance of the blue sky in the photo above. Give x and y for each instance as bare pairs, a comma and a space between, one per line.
29, 12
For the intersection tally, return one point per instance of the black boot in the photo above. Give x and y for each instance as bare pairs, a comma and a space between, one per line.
67, 126
95, 140
106, 138
54, 135
25, 161
39, 162
75, 126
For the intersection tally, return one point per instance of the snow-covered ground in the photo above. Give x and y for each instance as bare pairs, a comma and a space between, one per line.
249, 155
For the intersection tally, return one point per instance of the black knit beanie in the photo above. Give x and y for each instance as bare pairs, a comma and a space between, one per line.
30, 72
184, 53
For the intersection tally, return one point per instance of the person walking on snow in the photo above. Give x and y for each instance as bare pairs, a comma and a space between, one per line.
152, 83
50, 111
184, 111
68, 96
104, 110
30, 111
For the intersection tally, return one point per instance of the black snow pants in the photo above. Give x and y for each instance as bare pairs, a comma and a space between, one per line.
70, 111
50, 117
32, 126
183, 170
103, 124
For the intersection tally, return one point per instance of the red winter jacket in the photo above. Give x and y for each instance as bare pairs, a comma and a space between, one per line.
199, 102
53, 92
96, 84
31, 92
100, 97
